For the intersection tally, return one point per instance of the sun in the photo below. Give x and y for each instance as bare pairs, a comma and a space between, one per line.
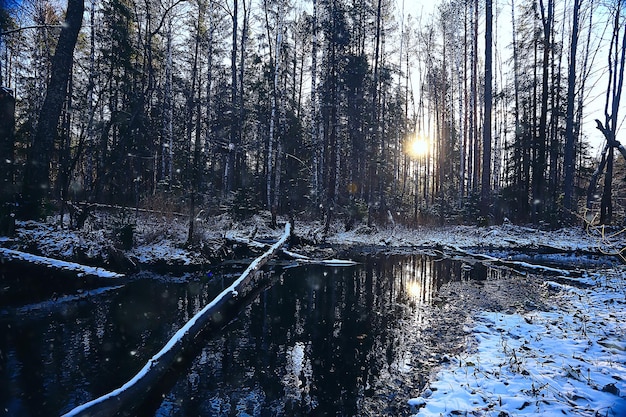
418, 147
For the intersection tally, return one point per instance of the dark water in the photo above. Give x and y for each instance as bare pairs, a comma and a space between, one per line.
319, 341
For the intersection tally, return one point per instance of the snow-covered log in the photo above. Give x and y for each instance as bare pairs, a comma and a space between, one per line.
513, 264
303, 259
56, 264
129, 395
255, 244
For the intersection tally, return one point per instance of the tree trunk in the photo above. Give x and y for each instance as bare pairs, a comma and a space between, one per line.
229, 166
617, 62
7, 142
474, 106
486, 169
539, 166
194, 104
7, 126
570, 138
273, 119
36, 175
606, 203
314, 128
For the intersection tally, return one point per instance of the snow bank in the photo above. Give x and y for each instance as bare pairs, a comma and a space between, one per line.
568, 361
503, 236
162, 239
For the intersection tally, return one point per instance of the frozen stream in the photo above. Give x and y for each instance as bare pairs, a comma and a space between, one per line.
319, 341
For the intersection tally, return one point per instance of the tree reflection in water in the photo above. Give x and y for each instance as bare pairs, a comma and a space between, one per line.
319, 341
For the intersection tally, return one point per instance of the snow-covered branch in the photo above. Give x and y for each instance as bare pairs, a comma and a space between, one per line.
302, 259
513, 264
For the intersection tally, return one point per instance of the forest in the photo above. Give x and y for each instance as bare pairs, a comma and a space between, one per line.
376, 111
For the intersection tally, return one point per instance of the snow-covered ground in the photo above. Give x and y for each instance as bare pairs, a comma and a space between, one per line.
164, 239
568, 361
500, 236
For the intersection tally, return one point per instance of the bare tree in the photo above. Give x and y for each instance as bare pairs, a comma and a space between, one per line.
616, 63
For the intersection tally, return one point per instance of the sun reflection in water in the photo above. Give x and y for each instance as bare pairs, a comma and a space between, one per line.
415, 290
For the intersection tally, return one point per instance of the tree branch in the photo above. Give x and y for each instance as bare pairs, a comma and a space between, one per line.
9, 32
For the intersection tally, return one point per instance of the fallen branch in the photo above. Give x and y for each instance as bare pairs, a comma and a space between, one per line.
290, 254
126, 397
332, 262
512, 264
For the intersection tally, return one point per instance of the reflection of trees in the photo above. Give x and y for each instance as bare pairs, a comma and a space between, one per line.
319, 340
68, 352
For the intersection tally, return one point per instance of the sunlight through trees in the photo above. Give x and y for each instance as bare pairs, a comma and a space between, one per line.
303, 107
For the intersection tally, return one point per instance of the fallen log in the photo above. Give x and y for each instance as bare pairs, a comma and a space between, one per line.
125, 398
79, 270
302, 259
513, 264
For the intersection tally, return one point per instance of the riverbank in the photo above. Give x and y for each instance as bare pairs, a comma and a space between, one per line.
560, 354
160, 242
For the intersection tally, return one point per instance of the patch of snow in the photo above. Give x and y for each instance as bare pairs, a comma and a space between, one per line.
568, 361
164, 251
338, 262
503, 236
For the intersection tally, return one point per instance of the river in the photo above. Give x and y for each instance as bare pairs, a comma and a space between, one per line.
317, 341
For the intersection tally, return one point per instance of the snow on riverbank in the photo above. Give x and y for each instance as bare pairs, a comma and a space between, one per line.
570, 360
501, 236
158, 239
567, 361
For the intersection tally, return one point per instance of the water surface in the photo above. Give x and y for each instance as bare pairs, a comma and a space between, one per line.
319, 341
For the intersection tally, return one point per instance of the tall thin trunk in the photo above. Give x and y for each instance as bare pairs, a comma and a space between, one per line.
91, 136
167, 145
542, 133
486, 167
374, 167
272, 205
570, 138
241, 116
474, 106
517, 133
229, 167
606, 204
194, 107
314, 128
333, 120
